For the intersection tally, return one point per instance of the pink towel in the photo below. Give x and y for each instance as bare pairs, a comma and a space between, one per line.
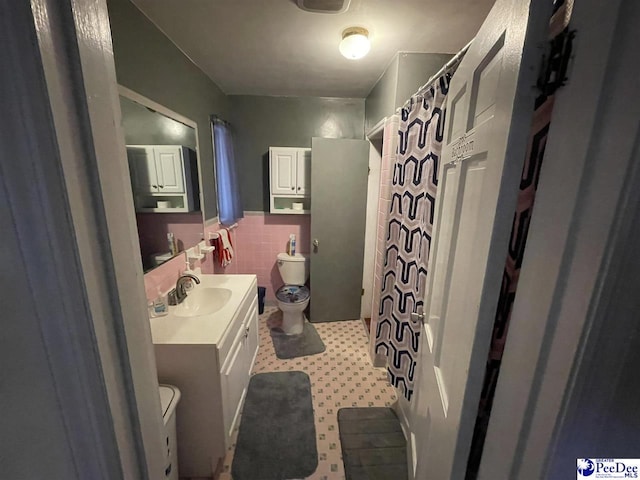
224, 247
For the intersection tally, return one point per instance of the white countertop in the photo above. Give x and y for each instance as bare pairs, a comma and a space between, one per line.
205, 329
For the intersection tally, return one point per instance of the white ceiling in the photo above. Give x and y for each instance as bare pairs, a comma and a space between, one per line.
271, 47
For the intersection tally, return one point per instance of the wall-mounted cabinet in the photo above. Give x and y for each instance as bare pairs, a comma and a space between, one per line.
164, 178
290, 179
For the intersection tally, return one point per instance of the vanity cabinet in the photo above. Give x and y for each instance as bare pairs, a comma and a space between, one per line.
164, 178
290, 179
209, 358
236, 369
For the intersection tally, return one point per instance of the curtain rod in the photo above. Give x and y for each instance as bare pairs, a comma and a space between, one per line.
215, 118
452, 61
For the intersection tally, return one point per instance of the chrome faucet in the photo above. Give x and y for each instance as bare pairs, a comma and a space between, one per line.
180, 291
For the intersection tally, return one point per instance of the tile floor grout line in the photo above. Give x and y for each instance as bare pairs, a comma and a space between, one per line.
342, 376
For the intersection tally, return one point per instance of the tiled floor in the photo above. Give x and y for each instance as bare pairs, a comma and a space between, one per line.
342, 376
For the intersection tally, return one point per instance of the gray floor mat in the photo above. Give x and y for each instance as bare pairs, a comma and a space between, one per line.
292, 346
277, 437
373, 446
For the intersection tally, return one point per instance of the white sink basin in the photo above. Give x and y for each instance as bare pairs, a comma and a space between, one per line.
203, 301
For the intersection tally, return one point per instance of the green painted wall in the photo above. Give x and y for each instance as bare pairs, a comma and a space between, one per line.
381, 100
259, 122
148, 63
404, 75
414, 69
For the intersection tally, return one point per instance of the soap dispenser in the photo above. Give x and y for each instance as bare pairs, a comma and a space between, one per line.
188, 284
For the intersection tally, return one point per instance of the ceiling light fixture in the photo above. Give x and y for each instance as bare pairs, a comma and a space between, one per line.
355, 43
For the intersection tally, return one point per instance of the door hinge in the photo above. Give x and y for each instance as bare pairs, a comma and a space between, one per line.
555, 61
368, 170
362, 294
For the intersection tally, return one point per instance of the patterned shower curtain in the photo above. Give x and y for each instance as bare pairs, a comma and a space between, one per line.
413, 192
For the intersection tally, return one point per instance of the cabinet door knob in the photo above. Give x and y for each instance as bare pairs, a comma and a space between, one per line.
299, 188
293, 188
161, 186
154, 186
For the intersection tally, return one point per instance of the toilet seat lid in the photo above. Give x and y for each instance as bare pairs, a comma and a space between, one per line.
293, 293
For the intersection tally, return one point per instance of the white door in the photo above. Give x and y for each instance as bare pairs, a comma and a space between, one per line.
303, 172
169, 168
283, 170
489, 111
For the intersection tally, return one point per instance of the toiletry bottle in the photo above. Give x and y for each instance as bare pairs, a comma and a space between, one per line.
171, 241
160, 305
292, 245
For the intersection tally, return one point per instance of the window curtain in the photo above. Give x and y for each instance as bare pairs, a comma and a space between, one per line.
229, 203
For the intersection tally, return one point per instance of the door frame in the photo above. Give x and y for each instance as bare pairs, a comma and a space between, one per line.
371, 227
66, 109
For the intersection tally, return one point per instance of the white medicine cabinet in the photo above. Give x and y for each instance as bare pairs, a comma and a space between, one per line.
290, 179
164, 178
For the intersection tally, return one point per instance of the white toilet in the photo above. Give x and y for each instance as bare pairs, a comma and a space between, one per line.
293, 296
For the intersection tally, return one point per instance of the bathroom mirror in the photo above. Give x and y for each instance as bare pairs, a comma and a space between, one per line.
162, 151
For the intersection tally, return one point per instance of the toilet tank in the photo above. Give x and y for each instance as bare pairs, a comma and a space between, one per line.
294, 270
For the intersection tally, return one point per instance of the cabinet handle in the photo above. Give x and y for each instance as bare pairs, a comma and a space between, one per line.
293, 188
161, 186
299, 188
154, 186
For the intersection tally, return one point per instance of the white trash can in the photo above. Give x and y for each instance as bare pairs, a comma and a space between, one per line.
169, 398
